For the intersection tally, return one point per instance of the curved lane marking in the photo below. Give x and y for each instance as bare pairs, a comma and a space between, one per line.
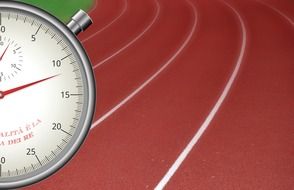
173, 169
278, 11
109, 24
149, 80
94, 7
133, 41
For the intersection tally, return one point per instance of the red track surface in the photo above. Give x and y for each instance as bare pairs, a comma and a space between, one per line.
167, 72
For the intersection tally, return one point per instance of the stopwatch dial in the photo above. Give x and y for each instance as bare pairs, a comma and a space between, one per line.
44, 95
11, 58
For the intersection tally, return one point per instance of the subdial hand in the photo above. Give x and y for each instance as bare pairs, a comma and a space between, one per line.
1, 57
7, 92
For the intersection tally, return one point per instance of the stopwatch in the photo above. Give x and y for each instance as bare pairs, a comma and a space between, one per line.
47, 93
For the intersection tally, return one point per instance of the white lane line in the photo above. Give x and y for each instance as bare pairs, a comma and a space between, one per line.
109, 24
278, 11
95, 6
156, 74
133, 41
173, 169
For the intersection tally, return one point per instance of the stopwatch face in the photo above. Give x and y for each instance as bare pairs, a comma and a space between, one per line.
47, 94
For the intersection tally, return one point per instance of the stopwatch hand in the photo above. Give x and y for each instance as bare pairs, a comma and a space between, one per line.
7, 92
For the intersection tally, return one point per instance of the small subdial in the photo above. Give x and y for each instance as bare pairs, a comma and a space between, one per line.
11, 59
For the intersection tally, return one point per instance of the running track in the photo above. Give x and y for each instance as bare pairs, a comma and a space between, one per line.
192, 94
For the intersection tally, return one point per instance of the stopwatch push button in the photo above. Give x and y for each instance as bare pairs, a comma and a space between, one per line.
80, 22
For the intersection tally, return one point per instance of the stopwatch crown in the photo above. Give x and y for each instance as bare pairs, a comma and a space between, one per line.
80, 22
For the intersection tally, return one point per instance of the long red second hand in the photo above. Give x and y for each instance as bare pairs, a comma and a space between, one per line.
7, 92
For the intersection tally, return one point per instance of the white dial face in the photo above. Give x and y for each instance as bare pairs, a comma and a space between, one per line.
42, 94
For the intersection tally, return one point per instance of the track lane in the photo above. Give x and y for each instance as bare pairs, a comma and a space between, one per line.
278, 11
284, 6
248, 145
134, 40
187, 150
125, 88
130, 74
129, 44
122, 32
89, 37
103, 13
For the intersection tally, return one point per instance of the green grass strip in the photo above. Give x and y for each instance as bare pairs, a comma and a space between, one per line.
62, 9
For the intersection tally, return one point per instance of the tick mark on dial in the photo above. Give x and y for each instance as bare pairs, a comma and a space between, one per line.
38, 29
66, 57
